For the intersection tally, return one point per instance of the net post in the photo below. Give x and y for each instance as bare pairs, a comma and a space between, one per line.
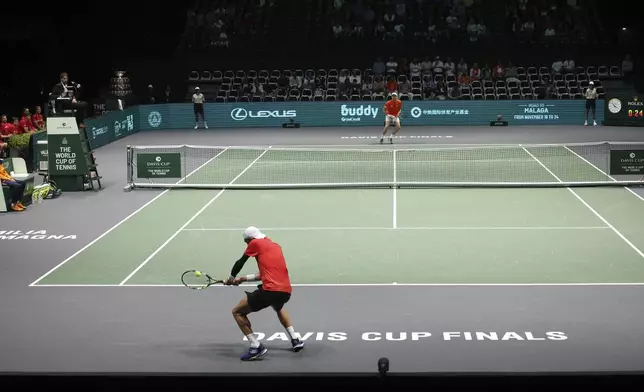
129, 184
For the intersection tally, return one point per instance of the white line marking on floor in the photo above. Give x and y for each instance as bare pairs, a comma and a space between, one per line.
267, 229
400, 137
636, 284
590, 208
121, 222
604, 173
202, 209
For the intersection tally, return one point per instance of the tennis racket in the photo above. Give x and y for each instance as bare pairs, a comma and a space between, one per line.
198, 280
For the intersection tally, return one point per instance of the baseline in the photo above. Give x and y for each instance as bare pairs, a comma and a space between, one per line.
267, 229
624, 284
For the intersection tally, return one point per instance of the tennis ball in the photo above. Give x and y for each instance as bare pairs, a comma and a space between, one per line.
197, 274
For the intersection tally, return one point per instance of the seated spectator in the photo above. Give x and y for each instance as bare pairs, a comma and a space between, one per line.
294, 82
461, 67
463, 79
392, 66
6, 128
257, 88
403, 67
26, 125
498, 72
455, 92
441, 90
551, 89
309, 82
367, 87
379, 86
16, 187
378, 67
426, 66
38, 119
429, 87
415, 68
353, 84
557, 67
404, 88
569, 65
437, 66
319, 92
392, 85
475, 72
486, 72
283, 81
356, 75
450, 67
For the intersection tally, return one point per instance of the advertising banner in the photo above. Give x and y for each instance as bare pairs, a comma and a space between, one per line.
111, 126
627, 162
366, 113
155, 165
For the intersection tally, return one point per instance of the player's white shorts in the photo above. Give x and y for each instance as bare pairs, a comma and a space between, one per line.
392, 119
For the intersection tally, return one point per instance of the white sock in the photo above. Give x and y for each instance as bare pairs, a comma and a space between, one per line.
292, 333
253, 340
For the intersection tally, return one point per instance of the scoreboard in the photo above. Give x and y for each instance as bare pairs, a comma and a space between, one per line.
624, 110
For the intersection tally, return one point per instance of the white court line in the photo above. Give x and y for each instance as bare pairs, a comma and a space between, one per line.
268, 229
190, 220
356, 285
604, 173
122, 221
639, 252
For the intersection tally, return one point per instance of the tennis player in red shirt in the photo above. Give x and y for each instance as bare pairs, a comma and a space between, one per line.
274, 291
393, 107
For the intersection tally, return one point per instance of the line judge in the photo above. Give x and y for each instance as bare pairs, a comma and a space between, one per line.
591, 102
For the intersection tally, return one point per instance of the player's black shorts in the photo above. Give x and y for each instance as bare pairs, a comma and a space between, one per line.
591, 104
198, 108
261, 299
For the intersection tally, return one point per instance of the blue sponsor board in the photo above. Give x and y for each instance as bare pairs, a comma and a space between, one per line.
111, 126
115, 125
366, 113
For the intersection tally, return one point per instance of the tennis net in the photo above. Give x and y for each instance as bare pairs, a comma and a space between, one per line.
546, 165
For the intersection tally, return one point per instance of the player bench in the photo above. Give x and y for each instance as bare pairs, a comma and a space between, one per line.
20, 172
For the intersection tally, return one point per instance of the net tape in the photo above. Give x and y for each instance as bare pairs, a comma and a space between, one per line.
261, 167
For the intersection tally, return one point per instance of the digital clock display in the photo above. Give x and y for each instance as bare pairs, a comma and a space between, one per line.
624, 110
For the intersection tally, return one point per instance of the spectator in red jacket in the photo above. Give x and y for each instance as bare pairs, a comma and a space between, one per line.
38, 119
26, 125
6, 128
499, 71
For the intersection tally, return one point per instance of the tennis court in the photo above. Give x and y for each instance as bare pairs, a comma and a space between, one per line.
343, 224
506, 257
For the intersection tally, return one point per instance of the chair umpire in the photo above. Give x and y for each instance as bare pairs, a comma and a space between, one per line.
63, 99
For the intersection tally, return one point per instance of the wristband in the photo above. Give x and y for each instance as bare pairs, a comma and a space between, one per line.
251, 278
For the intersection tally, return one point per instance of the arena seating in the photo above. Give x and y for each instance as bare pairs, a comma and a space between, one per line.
345, 22
236, 85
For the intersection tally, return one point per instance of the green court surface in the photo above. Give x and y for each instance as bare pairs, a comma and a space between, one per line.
380, 236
